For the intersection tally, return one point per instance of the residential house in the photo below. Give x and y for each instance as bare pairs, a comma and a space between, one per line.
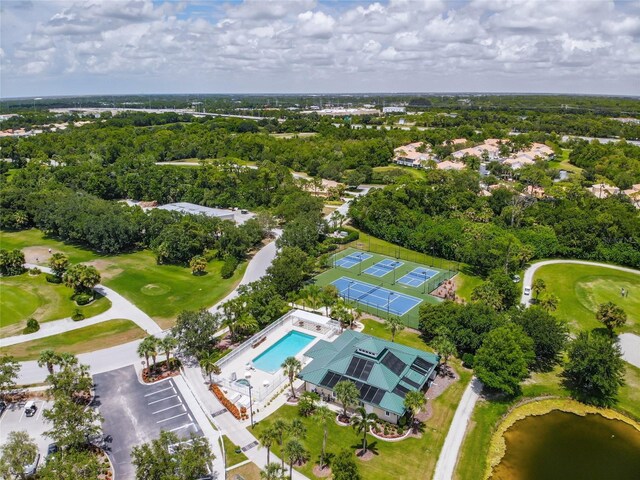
384, 372
634, 194
602, 190
408, 155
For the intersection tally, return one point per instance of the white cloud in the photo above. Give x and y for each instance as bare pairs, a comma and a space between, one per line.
95, 46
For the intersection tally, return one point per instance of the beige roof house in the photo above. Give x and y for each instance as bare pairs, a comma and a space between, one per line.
602, 190
410, 156
448, 165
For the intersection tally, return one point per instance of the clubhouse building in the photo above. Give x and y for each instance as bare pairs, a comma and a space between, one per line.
382, 371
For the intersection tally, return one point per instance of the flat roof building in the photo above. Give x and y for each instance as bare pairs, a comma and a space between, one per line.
193, 209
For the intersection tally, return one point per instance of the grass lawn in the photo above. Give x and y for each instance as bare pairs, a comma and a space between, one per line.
486, 417
581, 288
563, 162
411, 458
231, 457
161, 291
406, 337
250, 471
24, 296
465, 284
417, 173
86, 339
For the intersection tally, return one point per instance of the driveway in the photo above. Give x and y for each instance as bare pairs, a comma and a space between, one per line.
135, 413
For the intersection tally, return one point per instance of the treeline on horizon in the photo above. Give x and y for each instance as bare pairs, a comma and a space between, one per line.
269, 105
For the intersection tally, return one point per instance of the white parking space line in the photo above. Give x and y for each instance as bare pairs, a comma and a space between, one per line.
162, 399
169, 408
171, 418
186, 425
40, 412
163, 390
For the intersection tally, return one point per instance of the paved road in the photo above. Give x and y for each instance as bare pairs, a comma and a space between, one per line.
629, 342
449, 453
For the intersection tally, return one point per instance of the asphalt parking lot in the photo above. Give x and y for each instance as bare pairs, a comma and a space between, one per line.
14, 419
135, 413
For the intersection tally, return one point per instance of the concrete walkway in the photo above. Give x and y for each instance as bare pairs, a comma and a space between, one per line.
120, 308
629, 342
449, 454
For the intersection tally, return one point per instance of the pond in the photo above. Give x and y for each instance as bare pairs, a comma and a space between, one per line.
564, 446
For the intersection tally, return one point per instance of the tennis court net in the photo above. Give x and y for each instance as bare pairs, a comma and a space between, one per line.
367, 293
419, 276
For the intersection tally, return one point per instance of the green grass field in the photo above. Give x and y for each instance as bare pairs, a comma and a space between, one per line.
24, 297
357, 273
161, 291
416, 173
581, 288
86, 339
413, 458
231, 457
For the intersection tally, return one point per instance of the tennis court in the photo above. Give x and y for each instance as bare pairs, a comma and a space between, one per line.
417, 276
376, 296
352, 259
383, 267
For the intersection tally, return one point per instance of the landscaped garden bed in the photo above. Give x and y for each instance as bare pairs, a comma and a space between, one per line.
161, 370
389, 431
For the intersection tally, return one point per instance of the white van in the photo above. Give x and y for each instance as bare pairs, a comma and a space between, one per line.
30, 408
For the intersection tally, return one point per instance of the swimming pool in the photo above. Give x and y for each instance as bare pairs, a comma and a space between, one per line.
288, 346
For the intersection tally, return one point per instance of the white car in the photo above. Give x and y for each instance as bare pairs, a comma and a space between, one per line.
527, 290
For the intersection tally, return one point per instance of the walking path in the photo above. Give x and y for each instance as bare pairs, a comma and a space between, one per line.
629, 342
449, 453
120, 308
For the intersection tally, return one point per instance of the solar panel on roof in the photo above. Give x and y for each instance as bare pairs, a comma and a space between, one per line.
330, 379
422, 363
393, 363
359, 368
410, 382
416, 368
377, 398
400, 390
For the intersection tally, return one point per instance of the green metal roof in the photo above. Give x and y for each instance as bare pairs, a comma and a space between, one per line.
392, 369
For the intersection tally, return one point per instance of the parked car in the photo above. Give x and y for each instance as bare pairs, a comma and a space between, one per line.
52, 449
30, 408
516, 278
527, 290
30, 469
3, 407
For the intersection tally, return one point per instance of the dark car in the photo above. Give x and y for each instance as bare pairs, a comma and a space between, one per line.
51, 449
3, 407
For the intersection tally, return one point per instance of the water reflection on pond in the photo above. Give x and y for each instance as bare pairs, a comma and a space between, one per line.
566, 446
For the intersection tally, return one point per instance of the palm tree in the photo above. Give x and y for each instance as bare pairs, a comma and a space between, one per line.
297, 429
347, 394
267, 437
295, 453
549, 302
314, 296
246, 324
324, 415
208, 364
167, 344
444, 346
414, 401
153, 348
146, 347
272, 471
394, 325
48, 358
538, 286
329, 297
280, 428
291, 367
362, 422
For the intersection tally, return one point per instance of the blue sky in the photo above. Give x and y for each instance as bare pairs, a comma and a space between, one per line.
68, 47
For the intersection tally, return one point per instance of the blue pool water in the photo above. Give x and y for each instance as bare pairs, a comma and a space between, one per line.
288, 346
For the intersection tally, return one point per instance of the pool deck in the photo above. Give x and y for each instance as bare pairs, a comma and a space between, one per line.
238, 364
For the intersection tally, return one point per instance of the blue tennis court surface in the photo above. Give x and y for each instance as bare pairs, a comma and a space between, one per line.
380, 297
352, 259
383, 267
417, 276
